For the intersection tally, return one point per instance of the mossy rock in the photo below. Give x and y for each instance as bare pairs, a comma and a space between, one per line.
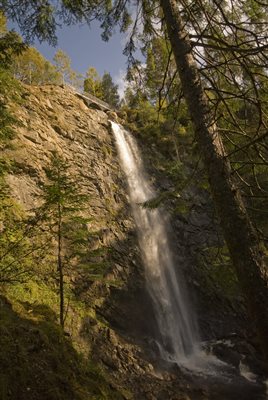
38, 362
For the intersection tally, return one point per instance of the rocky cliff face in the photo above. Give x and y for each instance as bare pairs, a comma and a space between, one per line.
52, 119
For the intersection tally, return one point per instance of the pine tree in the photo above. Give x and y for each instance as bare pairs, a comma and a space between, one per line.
109, 90
11, 46
62, 203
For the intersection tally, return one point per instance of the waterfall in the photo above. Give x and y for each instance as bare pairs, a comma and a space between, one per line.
176, 323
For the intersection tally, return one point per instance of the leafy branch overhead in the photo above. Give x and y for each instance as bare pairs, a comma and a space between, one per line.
41, 18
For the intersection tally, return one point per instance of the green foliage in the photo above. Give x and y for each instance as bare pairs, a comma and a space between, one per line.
9, 91
37, 18
7, 119
109, 90
3, 24
19, 249
63, 202
103, 88
60, 188
40, 19
92, 83
89, 264
32, 68
38, 361
216, 269
161, 83
63, 67
10, 46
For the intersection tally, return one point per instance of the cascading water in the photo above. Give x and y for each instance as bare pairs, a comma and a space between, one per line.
177, 327
179, 340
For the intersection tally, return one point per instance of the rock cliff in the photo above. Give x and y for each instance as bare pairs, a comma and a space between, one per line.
52, 119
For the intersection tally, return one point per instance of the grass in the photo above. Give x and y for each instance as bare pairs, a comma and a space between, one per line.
37, 360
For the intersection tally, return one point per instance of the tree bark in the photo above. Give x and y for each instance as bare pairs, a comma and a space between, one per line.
239, 233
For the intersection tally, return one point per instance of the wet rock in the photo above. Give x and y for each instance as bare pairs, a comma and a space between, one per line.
227, 354
112, 116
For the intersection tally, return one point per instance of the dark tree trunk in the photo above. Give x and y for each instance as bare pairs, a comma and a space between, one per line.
239, 233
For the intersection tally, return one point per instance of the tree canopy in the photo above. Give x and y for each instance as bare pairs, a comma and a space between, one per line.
92, 82
32, 68
103, 88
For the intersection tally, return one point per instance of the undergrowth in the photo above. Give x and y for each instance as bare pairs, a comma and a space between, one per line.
38, 361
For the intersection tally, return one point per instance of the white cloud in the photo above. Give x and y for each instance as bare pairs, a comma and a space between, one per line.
120, 80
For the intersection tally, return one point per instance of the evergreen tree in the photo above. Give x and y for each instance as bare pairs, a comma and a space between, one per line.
109, 90
11, 46
63, 201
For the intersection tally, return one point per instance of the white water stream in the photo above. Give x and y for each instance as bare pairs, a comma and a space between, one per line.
177, 327
179, 341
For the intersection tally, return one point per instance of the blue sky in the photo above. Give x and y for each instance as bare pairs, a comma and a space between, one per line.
85, 47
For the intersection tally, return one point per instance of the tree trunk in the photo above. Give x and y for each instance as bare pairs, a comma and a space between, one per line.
240, 236
60, 269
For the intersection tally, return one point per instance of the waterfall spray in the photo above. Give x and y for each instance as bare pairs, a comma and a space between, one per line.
177, 326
